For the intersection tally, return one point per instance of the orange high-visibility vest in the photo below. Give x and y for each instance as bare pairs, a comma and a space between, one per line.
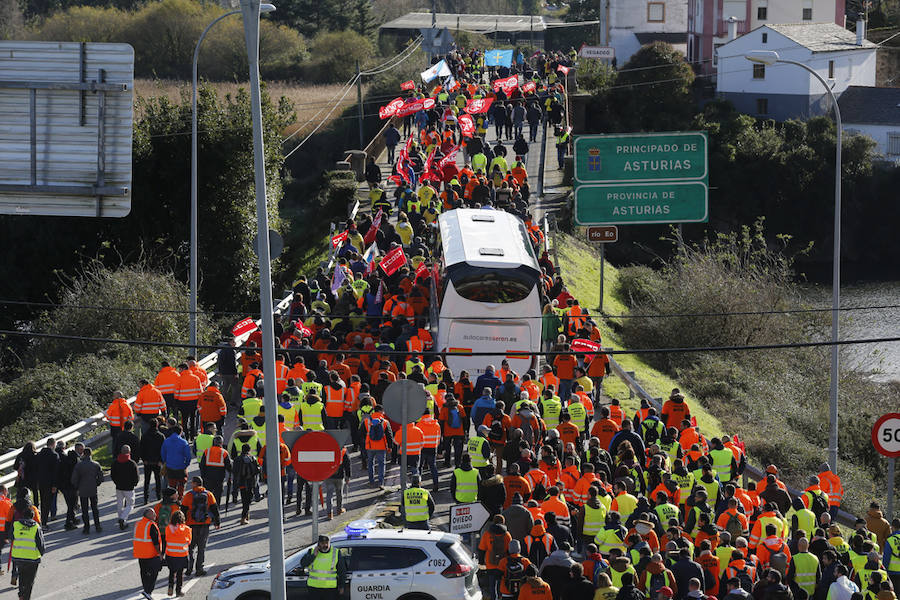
166, 380
142, 543
118, 412
431, 432
351, 396
334, 401
149, 401
215, 456
189, 387
415, 441
178, 538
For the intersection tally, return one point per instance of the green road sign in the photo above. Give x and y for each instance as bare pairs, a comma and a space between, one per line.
641, 203
640, 157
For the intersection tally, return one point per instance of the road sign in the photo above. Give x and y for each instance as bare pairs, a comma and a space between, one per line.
886, 435
603, 235
341, 436
406, 393
640, 157
66, 113
276, 244
466, 518
642, 203
606, 52
316, 456
436, 41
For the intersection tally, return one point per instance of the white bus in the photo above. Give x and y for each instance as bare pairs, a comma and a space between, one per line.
490, 297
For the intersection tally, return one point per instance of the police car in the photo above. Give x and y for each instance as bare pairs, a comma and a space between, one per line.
382, 564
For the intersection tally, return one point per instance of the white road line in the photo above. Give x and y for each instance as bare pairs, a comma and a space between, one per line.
163, 582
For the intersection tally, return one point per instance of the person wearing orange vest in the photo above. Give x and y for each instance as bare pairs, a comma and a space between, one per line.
281, 374
378, 435
6, 510
197, 370
251, 378
675, 410
117, 413
334, 401
431, 432
187, 394
148, 404
414, 445
146, 547
616, 413
202, 511
215, 464
166, 381
212, 407
178, 540
830, 483
557, 506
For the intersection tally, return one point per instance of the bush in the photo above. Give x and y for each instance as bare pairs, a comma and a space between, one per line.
335, 56
637, 284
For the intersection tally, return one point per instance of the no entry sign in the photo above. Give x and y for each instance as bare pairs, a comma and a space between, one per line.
886, 435
316, 456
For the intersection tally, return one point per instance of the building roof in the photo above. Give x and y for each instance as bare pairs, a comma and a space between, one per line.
473, 23
669, 38
821, 37
871, 105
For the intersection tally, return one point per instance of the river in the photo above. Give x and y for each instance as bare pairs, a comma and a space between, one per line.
881, 360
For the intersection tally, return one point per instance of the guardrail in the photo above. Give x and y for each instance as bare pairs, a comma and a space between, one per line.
635, 389
90, 424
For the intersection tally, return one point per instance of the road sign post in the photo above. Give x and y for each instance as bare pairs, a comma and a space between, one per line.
315, 456
601, 52
886, 439
602, 235
404, 403
641, 178
469, 517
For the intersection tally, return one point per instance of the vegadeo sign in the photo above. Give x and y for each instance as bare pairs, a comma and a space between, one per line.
606, 52
466, 518
640, 157
886, 435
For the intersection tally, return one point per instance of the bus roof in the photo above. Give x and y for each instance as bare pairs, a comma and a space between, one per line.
493, 239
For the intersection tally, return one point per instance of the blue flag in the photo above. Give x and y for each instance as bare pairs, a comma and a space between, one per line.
498, 58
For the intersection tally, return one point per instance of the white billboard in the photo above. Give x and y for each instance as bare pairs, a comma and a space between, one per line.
66, 120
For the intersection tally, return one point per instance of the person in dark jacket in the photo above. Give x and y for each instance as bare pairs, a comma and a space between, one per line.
391, 139
560, 533
86, 477
684, 569
629, 591
67, 463
578, 587
130, 439
151, 445
627, 434
373, 173
556, 569
27, 470
334, 486
486, 380
491, 490
124, 474
47, 462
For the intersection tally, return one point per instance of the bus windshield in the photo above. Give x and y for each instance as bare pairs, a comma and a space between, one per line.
492, 285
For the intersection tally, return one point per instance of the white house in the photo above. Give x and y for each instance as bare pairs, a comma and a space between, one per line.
633, 23
784, 91
874, 112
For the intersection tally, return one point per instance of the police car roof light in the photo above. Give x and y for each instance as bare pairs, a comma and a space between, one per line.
359, 528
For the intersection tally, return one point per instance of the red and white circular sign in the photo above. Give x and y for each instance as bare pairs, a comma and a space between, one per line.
315, 456
886, 435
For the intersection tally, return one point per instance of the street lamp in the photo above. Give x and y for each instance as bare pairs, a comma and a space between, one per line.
263, 8
769, 58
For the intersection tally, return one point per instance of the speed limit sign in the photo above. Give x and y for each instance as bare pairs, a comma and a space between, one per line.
886, 435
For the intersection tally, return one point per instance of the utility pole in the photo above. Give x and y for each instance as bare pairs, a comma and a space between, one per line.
362, 141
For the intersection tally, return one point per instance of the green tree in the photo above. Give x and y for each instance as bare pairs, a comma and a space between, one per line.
335, 54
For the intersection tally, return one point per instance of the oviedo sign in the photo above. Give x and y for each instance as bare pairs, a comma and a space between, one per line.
641, 178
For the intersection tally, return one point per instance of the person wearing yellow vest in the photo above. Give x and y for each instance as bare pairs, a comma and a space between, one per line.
479, 449
892, 554
26, 551
804, 571
312, 413
204, 440
464, 481
147, 545
418, 505
178, 540
250, 405
593, 516
327, 569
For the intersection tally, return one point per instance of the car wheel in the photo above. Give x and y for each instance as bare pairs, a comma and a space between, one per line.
415, 596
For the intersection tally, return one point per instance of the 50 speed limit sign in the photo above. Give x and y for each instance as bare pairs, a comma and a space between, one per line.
886, 435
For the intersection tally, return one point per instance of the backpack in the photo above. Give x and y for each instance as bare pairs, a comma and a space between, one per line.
651, 435
818, 505
657, 581
496, 433
734, 527
376, 429
515, 575
779, 562
165, 513
497, 548
199, 507
245, 471
743, 576
453, 418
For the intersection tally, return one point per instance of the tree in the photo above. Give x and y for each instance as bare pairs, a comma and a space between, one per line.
653, 90
334, 56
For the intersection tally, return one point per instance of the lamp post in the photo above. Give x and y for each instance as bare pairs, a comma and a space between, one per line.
770, 58
264, 8
251, 11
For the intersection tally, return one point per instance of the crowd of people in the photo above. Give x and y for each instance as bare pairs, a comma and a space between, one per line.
586, 501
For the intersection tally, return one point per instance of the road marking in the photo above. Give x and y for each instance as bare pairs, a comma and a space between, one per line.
163, 583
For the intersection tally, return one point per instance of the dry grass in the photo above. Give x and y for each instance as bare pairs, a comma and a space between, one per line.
308, 99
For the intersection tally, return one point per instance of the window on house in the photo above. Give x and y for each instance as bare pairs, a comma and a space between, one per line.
893, 143
759, 71
716, 54
830, 69
765, 38
762, 106
656, 12
807, 14
762, 13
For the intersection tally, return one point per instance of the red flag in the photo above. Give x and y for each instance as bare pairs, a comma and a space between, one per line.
410, 107
529, 87
373, 230
481, 105
243, 326
507, 85
408, 85
454, 86
582, 345
339, 239
467, 125
450, 158
390, 109
421, 270
303, 330
563, 69
427, 103
393, 260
